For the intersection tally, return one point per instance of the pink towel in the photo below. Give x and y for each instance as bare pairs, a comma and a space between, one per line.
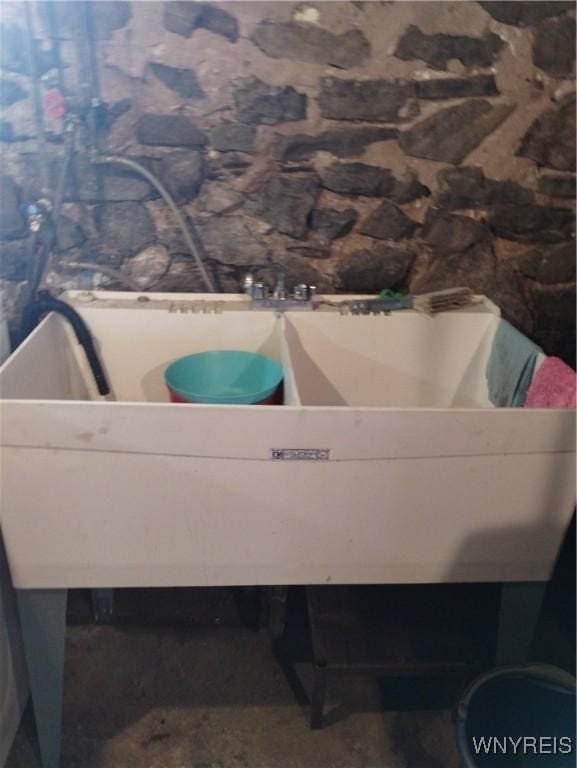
553, 386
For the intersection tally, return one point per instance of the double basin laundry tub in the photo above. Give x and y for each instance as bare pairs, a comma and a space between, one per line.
386, 464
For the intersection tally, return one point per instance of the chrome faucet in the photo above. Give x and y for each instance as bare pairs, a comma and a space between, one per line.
281, 299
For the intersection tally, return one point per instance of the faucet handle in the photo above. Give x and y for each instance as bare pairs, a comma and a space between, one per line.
248, 283
304, 292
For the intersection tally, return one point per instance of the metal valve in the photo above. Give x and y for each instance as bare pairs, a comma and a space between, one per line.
304, 292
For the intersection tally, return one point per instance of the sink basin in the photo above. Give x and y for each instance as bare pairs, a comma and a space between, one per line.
386, 464
406, 360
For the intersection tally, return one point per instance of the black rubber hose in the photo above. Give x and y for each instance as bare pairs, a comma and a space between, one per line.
42, 304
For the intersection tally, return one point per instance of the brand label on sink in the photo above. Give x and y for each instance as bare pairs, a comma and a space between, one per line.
300, 454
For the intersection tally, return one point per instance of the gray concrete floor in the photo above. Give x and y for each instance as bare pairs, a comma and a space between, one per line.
217, 698
180, 682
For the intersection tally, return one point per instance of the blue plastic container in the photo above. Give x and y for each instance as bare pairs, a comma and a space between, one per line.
224, 377
518, 717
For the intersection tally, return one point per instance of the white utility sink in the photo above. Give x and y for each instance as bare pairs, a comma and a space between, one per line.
387, 463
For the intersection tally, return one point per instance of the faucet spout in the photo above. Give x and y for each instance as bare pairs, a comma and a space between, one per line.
280, 291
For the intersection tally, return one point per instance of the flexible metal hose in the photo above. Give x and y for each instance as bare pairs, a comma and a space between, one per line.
94, 88
161, 189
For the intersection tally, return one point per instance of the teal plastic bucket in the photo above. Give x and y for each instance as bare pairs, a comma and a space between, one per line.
224, 377
518, 717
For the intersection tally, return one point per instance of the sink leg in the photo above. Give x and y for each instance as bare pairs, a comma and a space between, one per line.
520, 609
43, 620
102, 605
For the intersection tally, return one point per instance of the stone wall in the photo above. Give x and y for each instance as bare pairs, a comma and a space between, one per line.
355, 145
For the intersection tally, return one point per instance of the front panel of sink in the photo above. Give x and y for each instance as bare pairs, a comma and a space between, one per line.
113, 494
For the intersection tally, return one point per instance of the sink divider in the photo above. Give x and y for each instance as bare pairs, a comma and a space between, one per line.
291, 390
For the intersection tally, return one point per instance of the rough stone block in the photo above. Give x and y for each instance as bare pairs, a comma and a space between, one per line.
184, 82
182, 276
457, 87
550, 140
228, 240
448, 233
219, 22
220, 199
311, 43
558, 186
286, 204
169, 131
183, 18
234, 137
452, 133
506, 293
372, 181
258, 103
408, 188
371, 271
437, 50
474, 268
554, 47
378, 100
345, 142
358, 179
125, 228
388, 223
148, 266
316, 247
532, 223
554, 264
70, 234
524, 14
468, 187
182, 173
331, 224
